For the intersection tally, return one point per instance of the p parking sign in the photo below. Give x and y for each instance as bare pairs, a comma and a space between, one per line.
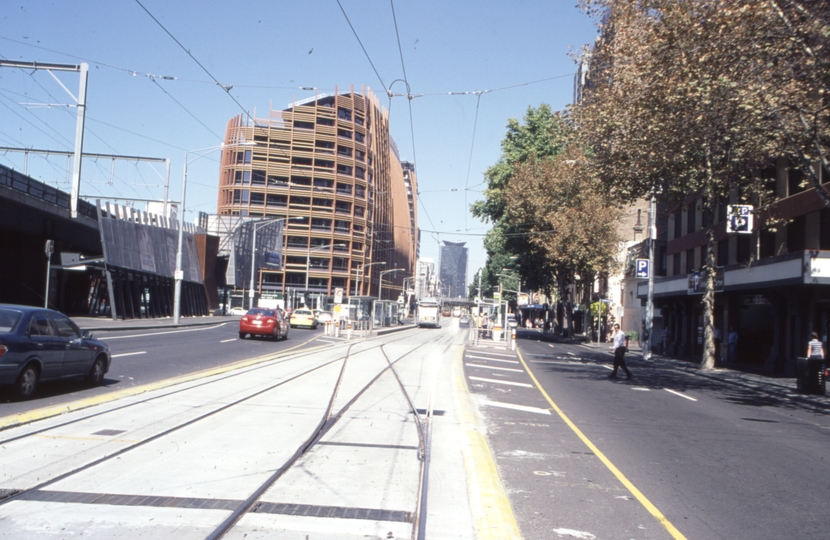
739, 219
641, 268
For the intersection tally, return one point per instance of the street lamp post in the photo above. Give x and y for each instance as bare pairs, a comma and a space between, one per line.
519, 279
179, 275
359, 268
380, 291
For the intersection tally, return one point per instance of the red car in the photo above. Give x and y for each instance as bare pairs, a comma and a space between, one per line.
263, 322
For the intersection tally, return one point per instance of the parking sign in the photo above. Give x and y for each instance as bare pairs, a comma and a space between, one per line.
740, 219
641, 268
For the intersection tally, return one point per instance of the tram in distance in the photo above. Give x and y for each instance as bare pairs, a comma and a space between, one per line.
429, 312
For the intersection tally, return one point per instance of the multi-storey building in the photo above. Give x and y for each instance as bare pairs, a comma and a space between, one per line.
453, 273
329, 166
775, 280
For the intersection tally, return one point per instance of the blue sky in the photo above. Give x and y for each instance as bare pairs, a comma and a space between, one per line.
148, 97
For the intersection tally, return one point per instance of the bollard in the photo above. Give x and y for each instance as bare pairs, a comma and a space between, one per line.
349, 330
513, 339
337, 329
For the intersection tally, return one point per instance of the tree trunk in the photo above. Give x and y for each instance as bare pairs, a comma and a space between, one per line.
708, 360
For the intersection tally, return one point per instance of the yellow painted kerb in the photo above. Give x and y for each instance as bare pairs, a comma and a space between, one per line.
607, 462
490, 507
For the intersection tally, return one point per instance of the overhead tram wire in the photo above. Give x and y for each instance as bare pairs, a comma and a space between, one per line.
411, 117
226, 88
365, 52
470, 160
186, 109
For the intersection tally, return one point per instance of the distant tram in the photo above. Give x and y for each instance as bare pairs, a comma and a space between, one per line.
429, 312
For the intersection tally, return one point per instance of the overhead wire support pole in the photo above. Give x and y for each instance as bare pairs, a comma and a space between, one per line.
83, 70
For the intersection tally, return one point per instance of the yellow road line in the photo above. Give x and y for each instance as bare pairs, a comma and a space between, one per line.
492, 516
614, 470
56, 410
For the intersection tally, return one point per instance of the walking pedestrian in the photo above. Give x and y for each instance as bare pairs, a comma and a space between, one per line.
620, 346
643, 336
815, 348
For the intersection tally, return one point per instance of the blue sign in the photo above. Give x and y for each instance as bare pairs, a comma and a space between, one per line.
641, 268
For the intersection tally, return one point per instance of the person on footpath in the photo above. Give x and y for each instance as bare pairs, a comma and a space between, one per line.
732, 342
619, 347
815, 348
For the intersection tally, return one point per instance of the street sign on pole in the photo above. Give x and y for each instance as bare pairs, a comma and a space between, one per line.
641, 268
740, 219
338, 295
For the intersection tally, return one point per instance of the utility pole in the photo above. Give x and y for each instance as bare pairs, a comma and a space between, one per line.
652, 235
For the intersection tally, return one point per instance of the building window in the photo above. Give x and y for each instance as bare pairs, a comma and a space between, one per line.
257, 199
303, 125
795, 180
677, 225
359, 137
344, 114
690, 219
767, 241
258, 178
723, 208
676, 264
796, 234
723, 253
690, 261
344, 134
344, 170
744, 247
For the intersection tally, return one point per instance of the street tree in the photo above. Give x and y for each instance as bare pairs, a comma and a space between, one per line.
672, 110
571, 221
543, 133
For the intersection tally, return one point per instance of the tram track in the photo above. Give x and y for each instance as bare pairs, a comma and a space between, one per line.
329, 419
326, 423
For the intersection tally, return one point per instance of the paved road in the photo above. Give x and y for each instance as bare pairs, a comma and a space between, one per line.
147, 352
668, 454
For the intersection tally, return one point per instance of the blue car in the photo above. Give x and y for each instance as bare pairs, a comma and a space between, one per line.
38, 344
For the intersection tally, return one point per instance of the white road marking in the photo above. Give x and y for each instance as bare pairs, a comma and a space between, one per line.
497, 354
641, 389
496, 368
679, 394
572, 354
535, 410
566, 363
492, 359
128, 354
107, 338
227, 340
496, 381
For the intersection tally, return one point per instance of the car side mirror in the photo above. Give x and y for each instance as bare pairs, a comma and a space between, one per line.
87, 334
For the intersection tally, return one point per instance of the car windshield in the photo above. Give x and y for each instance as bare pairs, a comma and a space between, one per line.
264, 312
302, 312
8, 320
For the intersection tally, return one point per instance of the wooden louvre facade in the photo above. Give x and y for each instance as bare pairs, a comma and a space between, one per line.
329, 165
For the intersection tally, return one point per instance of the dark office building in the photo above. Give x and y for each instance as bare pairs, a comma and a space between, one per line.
453, 274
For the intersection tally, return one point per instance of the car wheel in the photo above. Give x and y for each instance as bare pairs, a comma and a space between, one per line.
241, 335
96, 374
26, 383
